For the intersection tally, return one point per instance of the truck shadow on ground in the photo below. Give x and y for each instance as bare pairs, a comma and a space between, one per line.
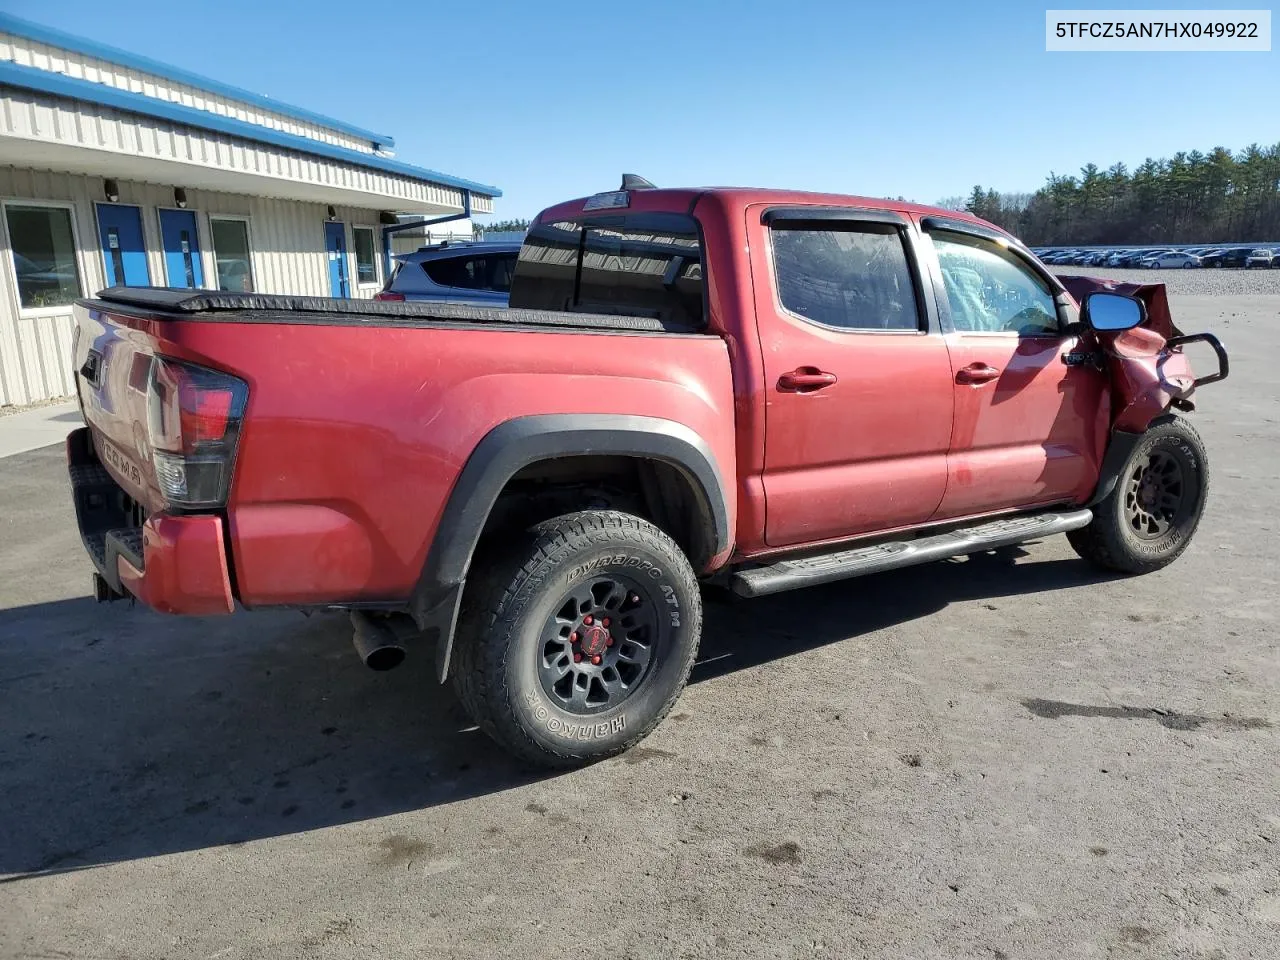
126, 734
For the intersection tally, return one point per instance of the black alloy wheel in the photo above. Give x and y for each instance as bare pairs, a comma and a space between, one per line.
597, 646
1153, 497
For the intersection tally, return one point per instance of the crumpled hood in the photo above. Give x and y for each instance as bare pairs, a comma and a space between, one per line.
1159, 319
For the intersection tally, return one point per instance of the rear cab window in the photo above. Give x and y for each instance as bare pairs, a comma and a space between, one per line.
635, 264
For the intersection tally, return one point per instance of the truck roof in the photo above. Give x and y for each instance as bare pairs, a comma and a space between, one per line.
682, 198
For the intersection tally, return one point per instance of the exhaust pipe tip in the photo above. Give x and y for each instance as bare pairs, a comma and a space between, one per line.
384, 658
376, 643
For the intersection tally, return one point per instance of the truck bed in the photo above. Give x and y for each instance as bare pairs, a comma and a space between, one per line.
361, 415
225, 307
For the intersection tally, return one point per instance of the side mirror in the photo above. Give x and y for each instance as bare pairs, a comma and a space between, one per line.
1109, 312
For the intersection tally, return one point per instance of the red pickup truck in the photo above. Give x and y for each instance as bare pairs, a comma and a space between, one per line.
752, 388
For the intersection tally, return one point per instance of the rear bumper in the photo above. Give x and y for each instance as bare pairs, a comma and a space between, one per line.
172, 564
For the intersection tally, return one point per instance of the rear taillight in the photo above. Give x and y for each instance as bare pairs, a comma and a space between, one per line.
193, 417
389, 295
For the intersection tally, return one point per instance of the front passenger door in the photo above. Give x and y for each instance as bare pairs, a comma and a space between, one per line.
1030, 419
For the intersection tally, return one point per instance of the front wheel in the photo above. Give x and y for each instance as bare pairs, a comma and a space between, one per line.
575, 642
1150, 517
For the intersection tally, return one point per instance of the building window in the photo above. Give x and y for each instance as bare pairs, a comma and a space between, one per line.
366, 258
44, 255
231, 254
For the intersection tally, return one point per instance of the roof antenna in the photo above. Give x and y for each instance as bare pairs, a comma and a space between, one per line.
631, 181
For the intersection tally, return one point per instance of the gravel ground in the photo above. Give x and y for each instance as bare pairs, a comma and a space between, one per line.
1192, 283
1004, 757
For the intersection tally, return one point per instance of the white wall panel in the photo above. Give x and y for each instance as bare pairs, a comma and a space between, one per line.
287, 246
31, 53
44, 121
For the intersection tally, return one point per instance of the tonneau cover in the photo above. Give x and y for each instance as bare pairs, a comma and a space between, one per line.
278, 308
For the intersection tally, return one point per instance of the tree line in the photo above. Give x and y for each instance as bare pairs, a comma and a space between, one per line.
500, 226
1193, 197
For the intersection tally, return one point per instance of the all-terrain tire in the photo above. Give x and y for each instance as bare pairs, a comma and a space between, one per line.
1135, 531
523, 601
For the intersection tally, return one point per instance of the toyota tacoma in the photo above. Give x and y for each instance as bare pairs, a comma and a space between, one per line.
755, 389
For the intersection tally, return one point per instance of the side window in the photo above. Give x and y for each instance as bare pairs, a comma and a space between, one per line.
470, 273
854, 276
990, 290
504, 266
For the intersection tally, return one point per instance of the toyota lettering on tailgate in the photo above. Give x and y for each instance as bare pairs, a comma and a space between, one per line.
122, 464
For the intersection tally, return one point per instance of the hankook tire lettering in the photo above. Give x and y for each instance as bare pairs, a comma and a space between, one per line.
574, 731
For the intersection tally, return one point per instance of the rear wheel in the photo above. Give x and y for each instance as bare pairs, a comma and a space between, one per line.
575, 641
1150, 517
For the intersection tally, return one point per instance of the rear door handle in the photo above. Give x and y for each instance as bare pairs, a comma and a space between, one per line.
805, 380
977, 373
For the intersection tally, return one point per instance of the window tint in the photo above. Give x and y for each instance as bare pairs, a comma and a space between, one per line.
647, 265
231, 254
851, 275
366, 258
44, 255
990, 289
490, 272
547, 271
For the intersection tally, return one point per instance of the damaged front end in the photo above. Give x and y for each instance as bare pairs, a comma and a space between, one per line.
1149, 369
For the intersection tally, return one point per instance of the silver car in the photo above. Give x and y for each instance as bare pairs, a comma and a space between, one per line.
1171, 258
457, 271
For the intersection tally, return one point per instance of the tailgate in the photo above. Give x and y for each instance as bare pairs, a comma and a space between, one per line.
112, 360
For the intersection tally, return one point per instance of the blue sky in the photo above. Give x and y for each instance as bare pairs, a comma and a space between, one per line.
550, 100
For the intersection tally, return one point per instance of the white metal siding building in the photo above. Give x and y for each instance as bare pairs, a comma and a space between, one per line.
115, 169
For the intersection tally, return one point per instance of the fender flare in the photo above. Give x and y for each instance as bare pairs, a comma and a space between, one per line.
1119, 448
517, 443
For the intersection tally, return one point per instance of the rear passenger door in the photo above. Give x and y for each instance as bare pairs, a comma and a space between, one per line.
856, 374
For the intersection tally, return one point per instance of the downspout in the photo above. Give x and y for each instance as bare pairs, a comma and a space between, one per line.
415, 224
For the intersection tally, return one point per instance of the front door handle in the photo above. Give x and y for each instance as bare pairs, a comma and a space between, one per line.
805, 380
977, 373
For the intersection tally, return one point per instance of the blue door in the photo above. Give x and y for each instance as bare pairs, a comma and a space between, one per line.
335, 244
181, 248
123, 251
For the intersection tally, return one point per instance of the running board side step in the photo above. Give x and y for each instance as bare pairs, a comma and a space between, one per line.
828, 567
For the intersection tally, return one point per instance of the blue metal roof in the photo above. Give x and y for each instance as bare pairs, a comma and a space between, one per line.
58, 84
91, 48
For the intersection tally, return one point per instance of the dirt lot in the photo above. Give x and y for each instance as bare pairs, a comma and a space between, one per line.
1003, 757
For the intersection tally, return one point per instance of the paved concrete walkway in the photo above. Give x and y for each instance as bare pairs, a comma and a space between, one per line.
37, 427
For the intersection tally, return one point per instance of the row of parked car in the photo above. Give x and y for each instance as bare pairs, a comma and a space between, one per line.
481, 272
1156, 258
